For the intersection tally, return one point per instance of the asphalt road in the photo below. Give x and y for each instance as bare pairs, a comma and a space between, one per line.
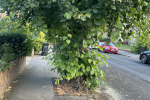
129, 78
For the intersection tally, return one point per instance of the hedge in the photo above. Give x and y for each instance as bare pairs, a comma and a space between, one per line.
13, 46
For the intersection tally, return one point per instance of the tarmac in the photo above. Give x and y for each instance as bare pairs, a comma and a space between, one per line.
129, 54
35, 83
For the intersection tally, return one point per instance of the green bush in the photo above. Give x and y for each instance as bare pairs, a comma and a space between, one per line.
39, 42
13, 46
6, 56
7, 26
135, 48
144, 41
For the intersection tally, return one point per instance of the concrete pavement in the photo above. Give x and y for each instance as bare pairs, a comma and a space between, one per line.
28, 59
35, 83
129, 54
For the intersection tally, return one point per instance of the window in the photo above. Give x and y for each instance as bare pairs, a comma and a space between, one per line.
101, 43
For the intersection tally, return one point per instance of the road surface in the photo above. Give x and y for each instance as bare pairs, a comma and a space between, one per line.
127, 77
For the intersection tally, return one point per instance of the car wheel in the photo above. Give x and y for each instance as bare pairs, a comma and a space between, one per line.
144, 59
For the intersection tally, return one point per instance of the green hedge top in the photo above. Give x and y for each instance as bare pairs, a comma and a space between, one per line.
20, 43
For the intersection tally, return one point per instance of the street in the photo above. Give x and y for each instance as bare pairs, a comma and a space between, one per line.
128, 77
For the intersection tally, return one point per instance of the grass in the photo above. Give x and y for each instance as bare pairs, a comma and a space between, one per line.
124, 47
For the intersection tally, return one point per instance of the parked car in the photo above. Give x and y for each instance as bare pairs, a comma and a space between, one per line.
105, 47
145, 57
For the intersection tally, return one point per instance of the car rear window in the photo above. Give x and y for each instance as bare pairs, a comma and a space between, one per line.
101, 43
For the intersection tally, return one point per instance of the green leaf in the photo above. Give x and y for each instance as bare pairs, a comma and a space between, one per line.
34, 37
12, 0
70, 35
75, 45
149, 5
92, 72
72, 64
119, 25
145, 3
89, 23
84, 43
133, 9
113, 7
83, 18
62, 47
107, 56
68, 41
79, 3
119, 0
32, 5
106, 64
89, 60
94, 62
64, 26
45, 30
97, 22
13, 14
87, 68
90, 41
21, 13
52, 63
63, 20
81, 55
68, 15
64, 37
48, 63
116, 32
117, 21
88, 15
139, 1
106, 4
40, 29
102, 22
95, 10
73, 1
98, 16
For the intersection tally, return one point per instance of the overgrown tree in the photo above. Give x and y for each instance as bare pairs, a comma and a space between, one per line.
74, 24
8, 26
142, 38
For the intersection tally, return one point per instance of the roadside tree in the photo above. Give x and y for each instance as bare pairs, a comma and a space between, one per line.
73, 24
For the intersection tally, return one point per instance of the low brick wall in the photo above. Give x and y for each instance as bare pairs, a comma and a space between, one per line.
8, 76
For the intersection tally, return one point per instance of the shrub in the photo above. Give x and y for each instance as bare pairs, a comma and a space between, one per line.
144, 41
6, 56
9, 27
39, 42
13, 46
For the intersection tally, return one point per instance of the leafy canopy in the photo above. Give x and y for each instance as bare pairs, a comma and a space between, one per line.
73, 24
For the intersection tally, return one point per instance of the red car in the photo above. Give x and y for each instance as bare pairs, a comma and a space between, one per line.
107, 47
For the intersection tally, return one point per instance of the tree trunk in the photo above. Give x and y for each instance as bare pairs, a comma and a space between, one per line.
79, 84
